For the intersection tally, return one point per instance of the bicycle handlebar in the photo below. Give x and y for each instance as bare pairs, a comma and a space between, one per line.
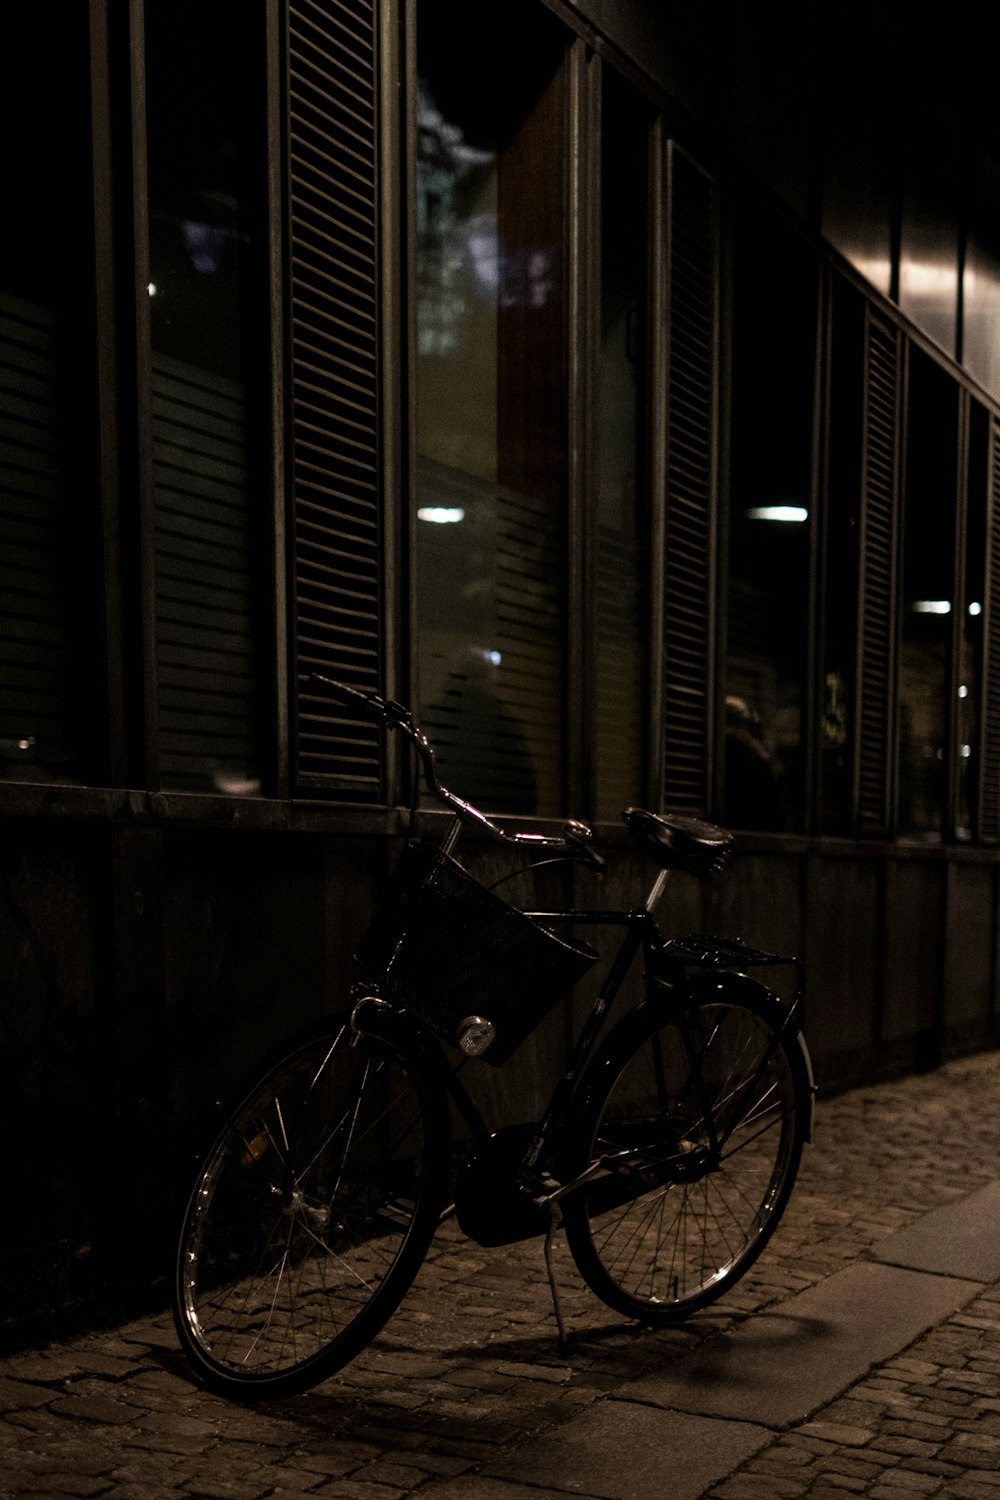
574, 840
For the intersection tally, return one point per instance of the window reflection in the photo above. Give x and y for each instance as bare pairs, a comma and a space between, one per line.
490, 397
928, 599
970, 625
771, 516
207, 298
49, 516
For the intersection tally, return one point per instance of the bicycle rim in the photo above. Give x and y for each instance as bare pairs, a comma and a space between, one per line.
668, 1225
310, 1217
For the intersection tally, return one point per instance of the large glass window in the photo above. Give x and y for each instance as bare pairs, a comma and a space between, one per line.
205, 105
50, 723
970, 620
491, 398
620, 613
928, 602
770, 521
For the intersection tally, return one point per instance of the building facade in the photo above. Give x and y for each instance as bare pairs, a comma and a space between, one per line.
618, 387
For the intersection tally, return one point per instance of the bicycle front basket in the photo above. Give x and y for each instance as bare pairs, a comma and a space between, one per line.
446, 948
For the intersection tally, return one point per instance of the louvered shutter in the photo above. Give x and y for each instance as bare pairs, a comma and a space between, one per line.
692, 272
876, 658
336, 597
204, 642
990, 769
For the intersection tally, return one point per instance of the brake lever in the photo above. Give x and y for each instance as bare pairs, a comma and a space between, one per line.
579, 835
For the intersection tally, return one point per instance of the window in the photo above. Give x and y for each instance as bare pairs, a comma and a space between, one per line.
50, 719
491, 400
770, 521
207, 290
928, 600
969, 689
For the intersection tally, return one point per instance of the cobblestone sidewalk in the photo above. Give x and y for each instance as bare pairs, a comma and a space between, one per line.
469, 1372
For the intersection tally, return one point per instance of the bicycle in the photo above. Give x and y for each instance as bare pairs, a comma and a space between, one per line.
667, 1152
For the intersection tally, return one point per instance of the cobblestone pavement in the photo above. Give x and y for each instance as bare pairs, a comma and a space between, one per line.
469, 1373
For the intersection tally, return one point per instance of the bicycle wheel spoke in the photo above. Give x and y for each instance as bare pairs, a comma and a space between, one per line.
310, 1218
700, 1134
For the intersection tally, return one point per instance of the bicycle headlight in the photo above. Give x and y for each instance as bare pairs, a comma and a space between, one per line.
475, 1035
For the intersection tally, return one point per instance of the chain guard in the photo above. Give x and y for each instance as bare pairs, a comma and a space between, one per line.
490, 1207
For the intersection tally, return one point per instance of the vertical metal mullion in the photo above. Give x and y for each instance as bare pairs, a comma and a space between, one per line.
712, 737
583, 241
407, 456
114, 756
719, 598
657, 386
394, 508
146, 539
277, 721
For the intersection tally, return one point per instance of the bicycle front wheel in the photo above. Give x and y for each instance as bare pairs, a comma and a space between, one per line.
310, 1215
692, 1137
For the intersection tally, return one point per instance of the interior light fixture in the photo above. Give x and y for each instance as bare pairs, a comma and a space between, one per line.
778, 513
442, 515
975, 609
931, 607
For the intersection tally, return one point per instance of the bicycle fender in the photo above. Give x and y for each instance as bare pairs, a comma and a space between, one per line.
703, 986
724, 982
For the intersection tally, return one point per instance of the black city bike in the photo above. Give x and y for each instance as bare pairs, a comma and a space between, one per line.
666, 1154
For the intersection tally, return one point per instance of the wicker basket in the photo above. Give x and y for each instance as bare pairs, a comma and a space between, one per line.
447, 948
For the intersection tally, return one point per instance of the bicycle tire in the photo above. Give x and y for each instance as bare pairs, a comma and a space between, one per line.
663, 1229
312, 1212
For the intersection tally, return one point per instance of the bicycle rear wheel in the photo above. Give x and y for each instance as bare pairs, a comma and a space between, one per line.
311, 1214
696, 1127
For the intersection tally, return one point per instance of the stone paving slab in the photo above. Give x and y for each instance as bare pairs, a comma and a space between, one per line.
623, 1451
958, 1239
782, 1365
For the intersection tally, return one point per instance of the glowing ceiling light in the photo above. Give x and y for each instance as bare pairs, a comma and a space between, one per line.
975, 609
931, 607
441, 515
778, 513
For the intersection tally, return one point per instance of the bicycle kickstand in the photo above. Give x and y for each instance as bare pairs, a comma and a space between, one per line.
555, 1219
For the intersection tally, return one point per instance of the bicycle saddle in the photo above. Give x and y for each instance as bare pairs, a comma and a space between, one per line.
677, 843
